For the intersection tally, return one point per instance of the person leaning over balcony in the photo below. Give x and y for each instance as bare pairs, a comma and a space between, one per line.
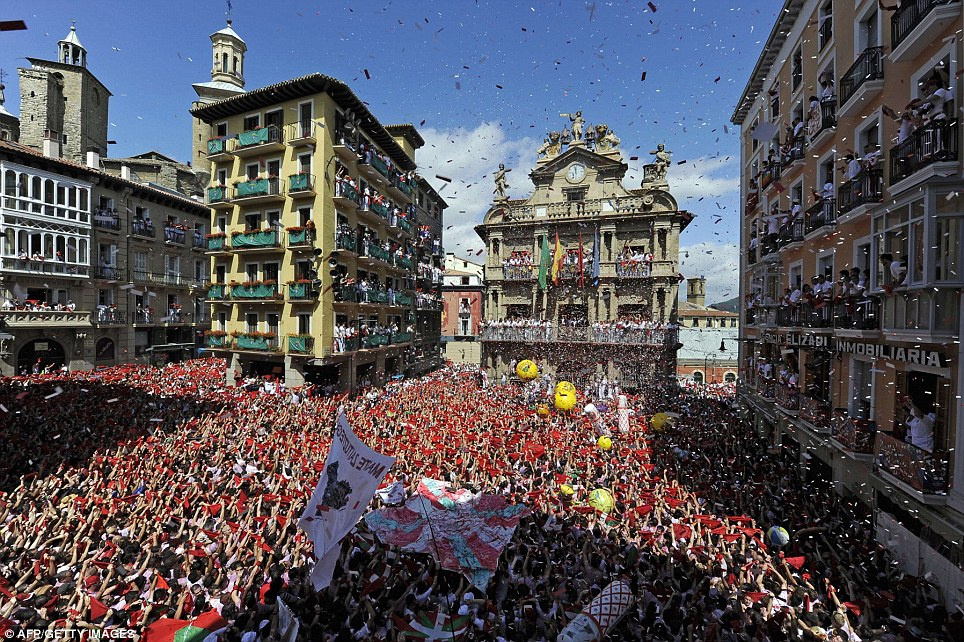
921, 433
896, 269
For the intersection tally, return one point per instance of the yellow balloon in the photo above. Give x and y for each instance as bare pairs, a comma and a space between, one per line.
566, 490
602, 500
657, 421
566, 388
542, 410
605, 442
565, 402
527, 370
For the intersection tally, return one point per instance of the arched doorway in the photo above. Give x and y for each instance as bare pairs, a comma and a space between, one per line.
45, 352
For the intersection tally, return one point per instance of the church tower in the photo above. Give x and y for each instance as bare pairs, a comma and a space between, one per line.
227, 79
63, 103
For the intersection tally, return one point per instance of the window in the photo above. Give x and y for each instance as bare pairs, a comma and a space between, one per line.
252, 221
868, 138
221, 130
221, 321
274, 168
304, 163
140, 265
274, 218
304, 215
199, 270
273, 322
825, 266
797, 68
948, 233
221, 224
696, 322
464, 280
940, 74
251, 321
729, 377
220, 273
252, 122
271, 272
222, 177
869, 35
251, 269
274, 119
826, 24
304, 324
252, 170
893, 232
862, 389
698, 377
105, 297
775, 102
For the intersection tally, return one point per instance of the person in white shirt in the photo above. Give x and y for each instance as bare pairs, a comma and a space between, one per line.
921, 433
853, 167
795, 295
897, 271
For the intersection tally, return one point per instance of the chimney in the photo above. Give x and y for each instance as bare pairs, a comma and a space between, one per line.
93, 157
696, 291
51, 146
126, 172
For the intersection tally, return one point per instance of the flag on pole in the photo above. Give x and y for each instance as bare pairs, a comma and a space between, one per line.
582, 275
556, 260
595, 259
544, 263
288, 623
352, 473
171, 630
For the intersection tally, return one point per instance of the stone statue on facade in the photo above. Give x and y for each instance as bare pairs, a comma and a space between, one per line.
578, 122
663, 160
543, 150
606, 138
501, 184
555, 144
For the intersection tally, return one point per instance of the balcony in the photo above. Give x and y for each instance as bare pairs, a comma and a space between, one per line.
109, 315
301, 344
404, 262
345, 194
301, 185
259, 190
142, 316
790, 233
217, 243
347, 294
218, 197
298, 237
401, 337
381, 209
858, 316
43, 319
199, 241
174, 235
787, 398
798, 152
826, 31
216, 292
346, 240
379, 165
403, 300
766, 388
300, 133
571, 271
921, 314
374, 341
853, 436
819, 125
924, 472
914, 23
427, 303
143, 228
255, 240
256, 341
815, 412
821, 214
255, 291
518, 272
655, 337
107, 220
220, 149
932, 147
259, 141
866, 188
634, 269
377, 252
301, 292
216, 340
752, 200
373, 296
771, 174
863, 80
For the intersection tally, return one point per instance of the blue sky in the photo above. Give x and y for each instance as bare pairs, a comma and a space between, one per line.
487, 78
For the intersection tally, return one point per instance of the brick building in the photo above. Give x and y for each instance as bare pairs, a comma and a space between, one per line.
463, 293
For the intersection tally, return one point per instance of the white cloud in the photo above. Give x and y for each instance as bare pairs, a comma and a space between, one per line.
718, 262
707, 176
469, 157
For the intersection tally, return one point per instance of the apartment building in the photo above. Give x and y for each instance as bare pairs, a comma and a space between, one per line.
429, 317
314, 243
582, 275
95, 269
463, 293
851, 266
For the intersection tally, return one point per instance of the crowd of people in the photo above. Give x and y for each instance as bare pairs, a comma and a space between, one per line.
624, 329
182, 494
35, 305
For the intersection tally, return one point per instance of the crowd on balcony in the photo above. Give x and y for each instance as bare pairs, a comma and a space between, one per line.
428, 240
822, 302
430, 272
635, 256
350, 337
174, 231
106, 217
625, 329
108, 314
35, 305
518, 258
143, 225
143, 314
428, 299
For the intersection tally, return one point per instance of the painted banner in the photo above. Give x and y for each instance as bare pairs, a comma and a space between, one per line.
352, 473
463, 531
603, 613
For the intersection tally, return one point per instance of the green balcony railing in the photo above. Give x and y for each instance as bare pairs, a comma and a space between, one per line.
257, 187
298, 237
344, 190
405, 188
373, 341
254, 292
254, 342
218, 194
218, 145
404, 262
377, 252
213, 341
380, 166
255, 238
381, 209
403, 299
260, 136
300, 183
216, 244
373, 296
301, 344
405, 224
300, 292
346, 241
401, 337
216, 292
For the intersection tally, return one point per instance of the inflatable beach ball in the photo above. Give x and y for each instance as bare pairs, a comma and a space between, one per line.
566, 388
657, 421
527, 370
605, 442
602, 500
778, 536
565, 402
566, 490
542, 410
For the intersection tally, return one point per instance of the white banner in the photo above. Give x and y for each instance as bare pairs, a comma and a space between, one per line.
352, 473
288, 623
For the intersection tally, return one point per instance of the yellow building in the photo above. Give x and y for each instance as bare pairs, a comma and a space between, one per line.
314, 242
851, 279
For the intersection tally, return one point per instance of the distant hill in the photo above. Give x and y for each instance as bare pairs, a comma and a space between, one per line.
730, 305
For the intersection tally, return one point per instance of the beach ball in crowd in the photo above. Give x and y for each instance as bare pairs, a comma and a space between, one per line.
566, 491
527, 370
602, 500
566, 388
778, 536
565, 402
605, 442
542, 410
657, 421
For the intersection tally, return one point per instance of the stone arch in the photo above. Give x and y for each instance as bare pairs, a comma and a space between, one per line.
44, 352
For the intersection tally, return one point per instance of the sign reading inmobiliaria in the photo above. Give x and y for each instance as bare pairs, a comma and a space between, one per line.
352, 473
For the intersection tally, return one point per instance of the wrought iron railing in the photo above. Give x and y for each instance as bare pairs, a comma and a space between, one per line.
868, 66
867, 187
908, 14
932, 143
924, 471
855, 435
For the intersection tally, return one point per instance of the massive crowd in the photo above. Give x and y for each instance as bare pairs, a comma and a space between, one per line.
181, 494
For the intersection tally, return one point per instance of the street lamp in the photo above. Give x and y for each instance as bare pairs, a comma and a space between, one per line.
706, 359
